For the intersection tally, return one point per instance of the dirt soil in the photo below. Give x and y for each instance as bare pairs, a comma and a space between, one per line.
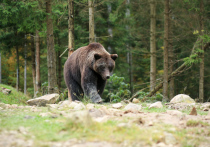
174, 126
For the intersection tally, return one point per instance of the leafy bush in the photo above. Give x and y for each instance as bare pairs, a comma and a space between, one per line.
116, 89
142, 97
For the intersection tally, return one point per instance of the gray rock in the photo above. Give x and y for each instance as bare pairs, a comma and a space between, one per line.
6, 91
156, 105
205, 105
96, 113
133, 107
90, 106
83, 117
174, 112
79, 106
135, 100
182, 98
43, 100
169, 138
117, 106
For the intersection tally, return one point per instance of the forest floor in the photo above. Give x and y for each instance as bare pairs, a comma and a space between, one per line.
103, 125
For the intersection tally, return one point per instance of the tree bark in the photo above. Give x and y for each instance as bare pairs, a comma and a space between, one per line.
51, 57
71, 33
33, 63
201, 79
171, 60
71, 27
38, 82
17, 69
25, 67
166, 38
0, 67
152, 44
91, 21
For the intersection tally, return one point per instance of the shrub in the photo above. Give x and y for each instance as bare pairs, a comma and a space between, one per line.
116, 89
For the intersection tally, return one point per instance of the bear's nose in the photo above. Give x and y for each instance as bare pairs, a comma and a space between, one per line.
107, 77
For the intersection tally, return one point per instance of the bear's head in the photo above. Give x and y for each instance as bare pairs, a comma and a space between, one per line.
104, 64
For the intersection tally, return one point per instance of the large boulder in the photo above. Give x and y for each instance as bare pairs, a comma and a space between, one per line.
182, 98
43, 100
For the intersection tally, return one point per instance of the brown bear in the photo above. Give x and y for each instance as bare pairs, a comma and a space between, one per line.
86, 71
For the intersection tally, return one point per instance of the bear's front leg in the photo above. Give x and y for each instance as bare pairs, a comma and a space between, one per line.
89, 86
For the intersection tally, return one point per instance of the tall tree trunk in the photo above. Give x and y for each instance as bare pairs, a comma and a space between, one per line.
0, 67
109, 7
25, 67
91, 21
38, 82
171, 59
201, 80
71, 27
71, 34
129, 53
17, 69
152, 44
59, 66
166, 38
51, 57
33, 63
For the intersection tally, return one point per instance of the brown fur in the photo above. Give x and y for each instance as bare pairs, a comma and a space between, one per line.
86, 71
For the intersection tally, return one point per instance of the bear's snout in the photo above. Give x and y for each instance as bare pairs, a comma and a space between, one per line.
107, 77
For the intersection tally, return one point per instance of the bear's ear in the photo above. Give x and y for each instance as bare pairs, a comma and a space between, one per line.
114, 56
97, 56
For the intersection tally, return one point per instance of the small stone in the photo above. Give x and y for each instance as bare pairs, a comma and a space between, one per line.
205, 109
29, 117
2, 105
90, 106
65, 103
1, 108
150, 123
45, 114
169, 138
82, 117
101, 119
14, 106
96, 113
133, 107
123, 125
79, 106
156, 105
21, 107
135, 100
73, 104
174, 112
117, 106
6, 91
54, 106
22, 130
193, 112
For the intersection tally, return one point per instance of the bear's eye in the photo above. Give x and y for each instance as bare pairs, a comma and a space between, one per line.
110, 68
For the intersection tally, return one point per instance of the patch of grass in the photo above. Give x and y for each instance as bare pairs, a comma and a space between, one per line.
194, 123
14, 97
158, 110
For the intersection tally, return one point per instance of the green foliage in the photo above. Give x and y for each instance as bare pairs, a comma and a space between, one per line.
143, 98
14, 97
116, 89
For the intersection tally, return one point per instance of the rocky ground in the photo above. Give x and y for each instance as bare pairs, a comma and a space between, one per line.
143, 124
